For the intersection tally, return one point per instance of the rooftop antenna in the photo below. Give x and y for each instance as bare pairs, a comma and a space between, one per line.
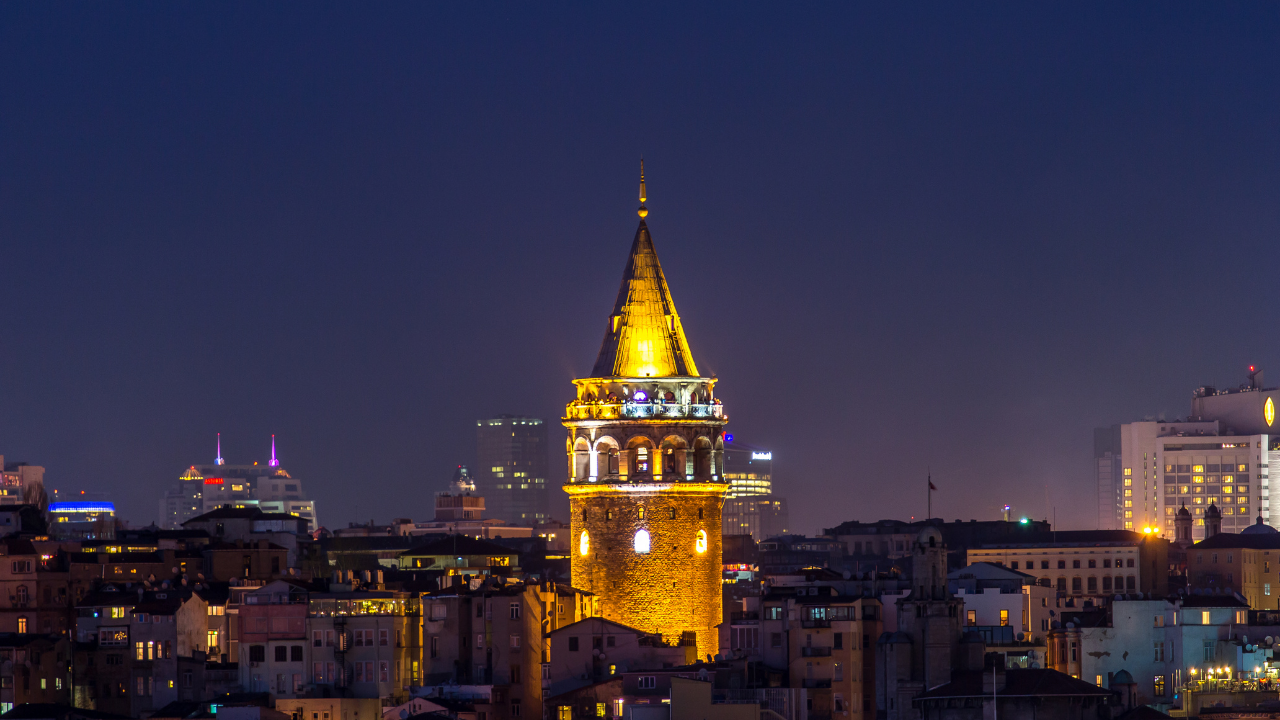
274, 462
218, 460
643, 211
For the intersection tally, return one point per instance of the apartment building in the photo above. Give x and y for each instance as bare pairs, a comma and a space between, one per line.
365, 642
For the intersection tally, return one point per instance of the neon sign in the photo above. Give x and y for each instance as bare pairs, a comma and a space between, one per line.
761, 456
213, 481
1269, 412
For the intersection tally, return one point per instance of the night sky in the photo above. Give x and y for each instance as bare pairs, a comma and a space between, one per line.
903, 238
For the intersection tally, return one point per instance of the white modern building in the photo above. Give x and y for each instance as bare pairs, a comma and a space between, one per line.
1220, 455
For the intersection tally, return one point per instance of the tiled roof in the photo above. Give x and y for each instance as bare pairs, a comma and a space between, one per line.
1070, 537
1018, 683
1232, 541
647, 339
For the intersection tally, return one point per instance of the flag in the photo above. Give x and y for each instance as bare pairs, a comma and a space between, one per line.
931, 485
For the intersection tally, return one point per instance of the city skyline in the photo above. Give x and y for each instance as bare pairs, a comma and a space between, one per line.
918, 240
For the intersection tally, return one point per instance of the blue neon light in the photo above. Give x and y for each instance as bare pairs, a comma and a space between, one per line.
73, 507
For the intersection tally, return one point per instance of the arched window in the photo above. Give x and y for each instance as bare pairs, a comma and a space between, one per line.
613, 461
669, 461
584, 544
701, 543
642, 541
22, 624
642, 460
640, 513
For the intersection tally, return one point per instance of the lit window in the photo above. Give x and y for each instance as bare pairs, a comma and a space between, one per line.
1197, 468
642, 541
584, 544
701, 543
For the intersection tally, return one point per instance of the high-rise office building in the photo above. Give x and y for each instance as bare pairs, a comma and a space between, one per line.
751, 507
202, 488
1220, 455
1108, 472
512, 475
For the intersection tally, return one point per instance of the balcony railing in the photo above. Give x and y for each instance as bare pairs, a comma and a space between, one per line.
740, 616
633, 410
816, 652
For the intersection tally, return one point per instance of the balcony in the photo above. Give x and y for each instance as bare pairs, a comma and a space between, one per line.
812, 683
740, 616
645, 410
816, 652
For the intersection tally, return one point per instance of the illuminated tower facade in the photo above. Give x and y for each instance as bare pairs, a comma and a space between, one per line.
645, 479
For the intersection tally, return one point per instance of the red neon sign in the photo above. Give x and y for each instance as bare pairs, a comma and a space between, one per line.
213, 481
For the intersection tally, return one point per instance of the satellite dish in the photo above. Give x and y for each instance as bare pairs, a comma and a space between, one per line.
404, 713
1268, 639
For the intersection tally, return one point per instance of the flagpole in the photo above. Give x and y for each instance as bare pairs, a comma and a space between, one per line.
929, 495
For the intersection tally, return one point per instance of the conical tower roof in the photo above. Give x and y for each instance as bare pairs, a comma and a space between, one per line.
644, 337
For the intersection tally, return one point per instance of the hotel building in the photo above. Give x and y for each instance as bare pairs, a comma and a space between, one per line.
1220, 455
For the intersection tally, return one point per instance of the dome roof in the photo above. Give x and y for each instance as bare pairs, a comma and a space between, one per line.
1184, 512
1258, 528
930, 536
1212, 511
1122, 678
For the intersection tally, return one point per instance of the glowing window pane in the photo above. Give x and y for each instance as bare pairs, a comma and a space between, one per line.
701, 543
584, 544
642, 541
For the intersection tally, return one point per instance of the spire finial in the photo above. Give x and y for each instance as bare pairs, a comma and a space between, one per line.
218, 460
274, 462
643, 211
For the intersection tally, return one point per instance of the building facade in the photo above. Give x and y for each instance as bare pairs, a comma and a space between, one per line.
512, 452
646, 479
1096, 563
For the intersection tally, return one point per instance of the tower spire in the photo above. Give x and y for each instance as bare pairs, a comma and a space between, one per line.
274, 462
218, 460
643, 211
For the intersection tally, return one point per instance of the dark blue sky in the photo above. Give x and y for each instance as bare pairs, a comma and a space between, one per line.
902, 238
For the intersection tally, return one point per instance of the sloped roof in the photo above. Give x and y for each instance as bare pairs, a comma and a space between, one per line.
1069, 537
576, 626
227, 513
1019, 682
644, 337
1197, 600
1231, 541
1144, 712
987, 571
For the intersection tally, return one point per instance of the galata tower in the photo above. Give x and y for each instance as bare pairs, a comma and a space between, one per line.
646, 481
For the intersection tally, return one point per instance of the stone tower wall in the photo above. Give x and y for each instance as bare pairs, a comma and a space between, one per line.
671, 589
